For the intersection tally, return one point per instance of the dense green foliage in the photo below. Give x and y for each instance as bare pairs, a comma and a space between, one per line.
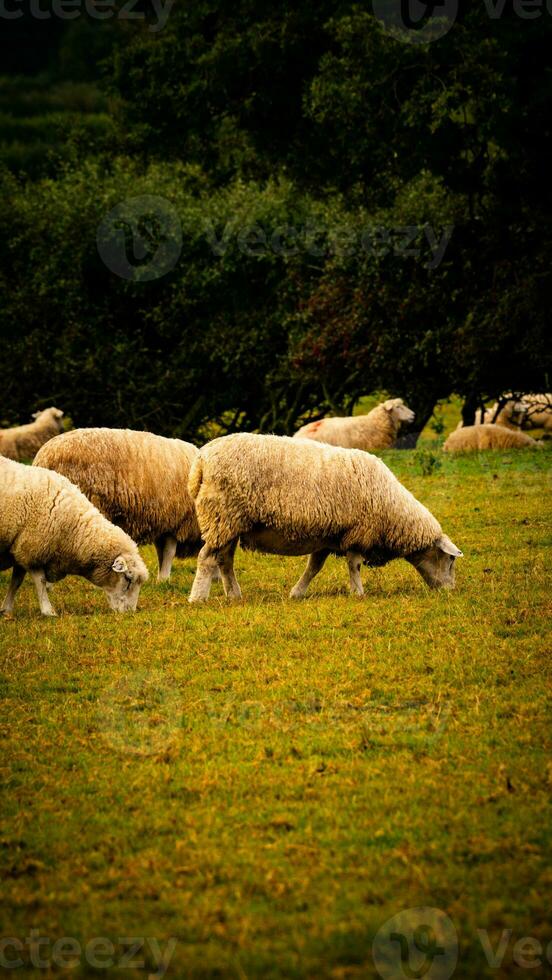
386, 205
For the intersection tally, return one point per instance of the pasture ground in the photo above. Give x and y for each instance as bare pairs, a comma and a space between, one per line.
269, 782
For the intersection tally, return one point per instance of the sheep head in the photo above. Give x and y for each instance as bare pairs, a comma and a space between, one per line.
122, 581
53, 414
436, 563
398, 411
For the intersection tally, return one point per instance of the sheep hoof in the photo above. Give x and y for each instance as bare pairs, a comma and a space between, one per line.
50, 614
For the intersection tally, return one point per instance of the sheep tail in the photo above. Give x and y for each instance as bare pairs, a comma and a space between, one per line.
196, 477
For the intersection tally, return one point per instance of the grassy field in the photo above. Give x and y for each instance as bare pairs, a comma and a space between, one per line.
268, 782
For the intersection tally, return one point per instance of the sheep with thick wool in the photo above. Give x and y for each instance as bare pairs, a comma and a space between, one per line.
298, 497
24, 441
539, 412
138, 480
475, 438
376, 430
510, 415
49, 529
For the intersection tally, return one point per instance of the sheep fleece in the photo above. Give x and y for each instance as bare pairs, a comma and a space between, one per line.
472, 438
24, 441
137, 479
540, 411
305, 490
46, 522
376, 430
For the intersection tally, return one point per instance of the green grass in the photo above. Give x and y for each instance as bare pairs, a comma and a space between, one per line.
268, 782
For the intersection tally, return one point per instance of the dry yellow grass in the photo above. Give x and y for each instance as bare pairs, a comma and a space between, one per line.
268, 782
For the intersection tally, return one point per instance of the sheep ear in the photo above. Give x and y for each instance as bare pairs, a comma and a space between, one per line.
35, 415
446, 545
59, 413
120, 565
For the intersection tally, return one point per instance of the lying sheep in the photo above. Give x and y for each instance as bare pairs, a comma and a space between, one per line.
473, 438
49, 529
137, 480
539, 412
510, 415
295, 497
24, 441
376, 430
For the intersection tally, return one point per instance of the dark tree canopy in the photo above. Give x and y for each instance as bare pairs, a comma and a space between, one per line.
389, 208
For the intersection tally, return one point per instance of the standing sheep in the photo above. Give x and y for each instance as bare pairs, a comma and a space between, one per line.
473, 438
294, 497
137, 480
376, 430
49, 529
24, 441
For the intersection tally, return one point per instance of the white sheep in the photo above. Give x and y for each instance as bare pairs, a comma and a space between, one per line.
510, 415
297, 497
24, 441
475, 438
49, 529
376, 430
539, 412
138, 480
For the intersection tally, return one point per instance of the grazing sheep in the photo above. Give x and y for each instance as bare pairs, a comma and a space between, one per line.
49, 529
539, 412
473, 438
137, 480
376, 430
295, 497
24, 441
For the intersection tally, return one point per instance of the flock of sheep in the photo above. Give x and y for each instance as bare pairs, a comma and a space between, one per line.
93, 495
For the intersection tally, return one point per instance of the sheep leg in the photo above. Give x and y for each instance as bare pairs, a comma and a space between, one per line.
18, 574
206, 567
39, 578
225, 562
314, 565
354, 561
166, 551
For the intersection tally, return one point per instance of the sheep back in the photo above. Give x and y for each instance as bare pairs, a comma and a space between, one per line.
305, 491
539, 415
376, 430
472, 438
24, 441
47, 522
138, 480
